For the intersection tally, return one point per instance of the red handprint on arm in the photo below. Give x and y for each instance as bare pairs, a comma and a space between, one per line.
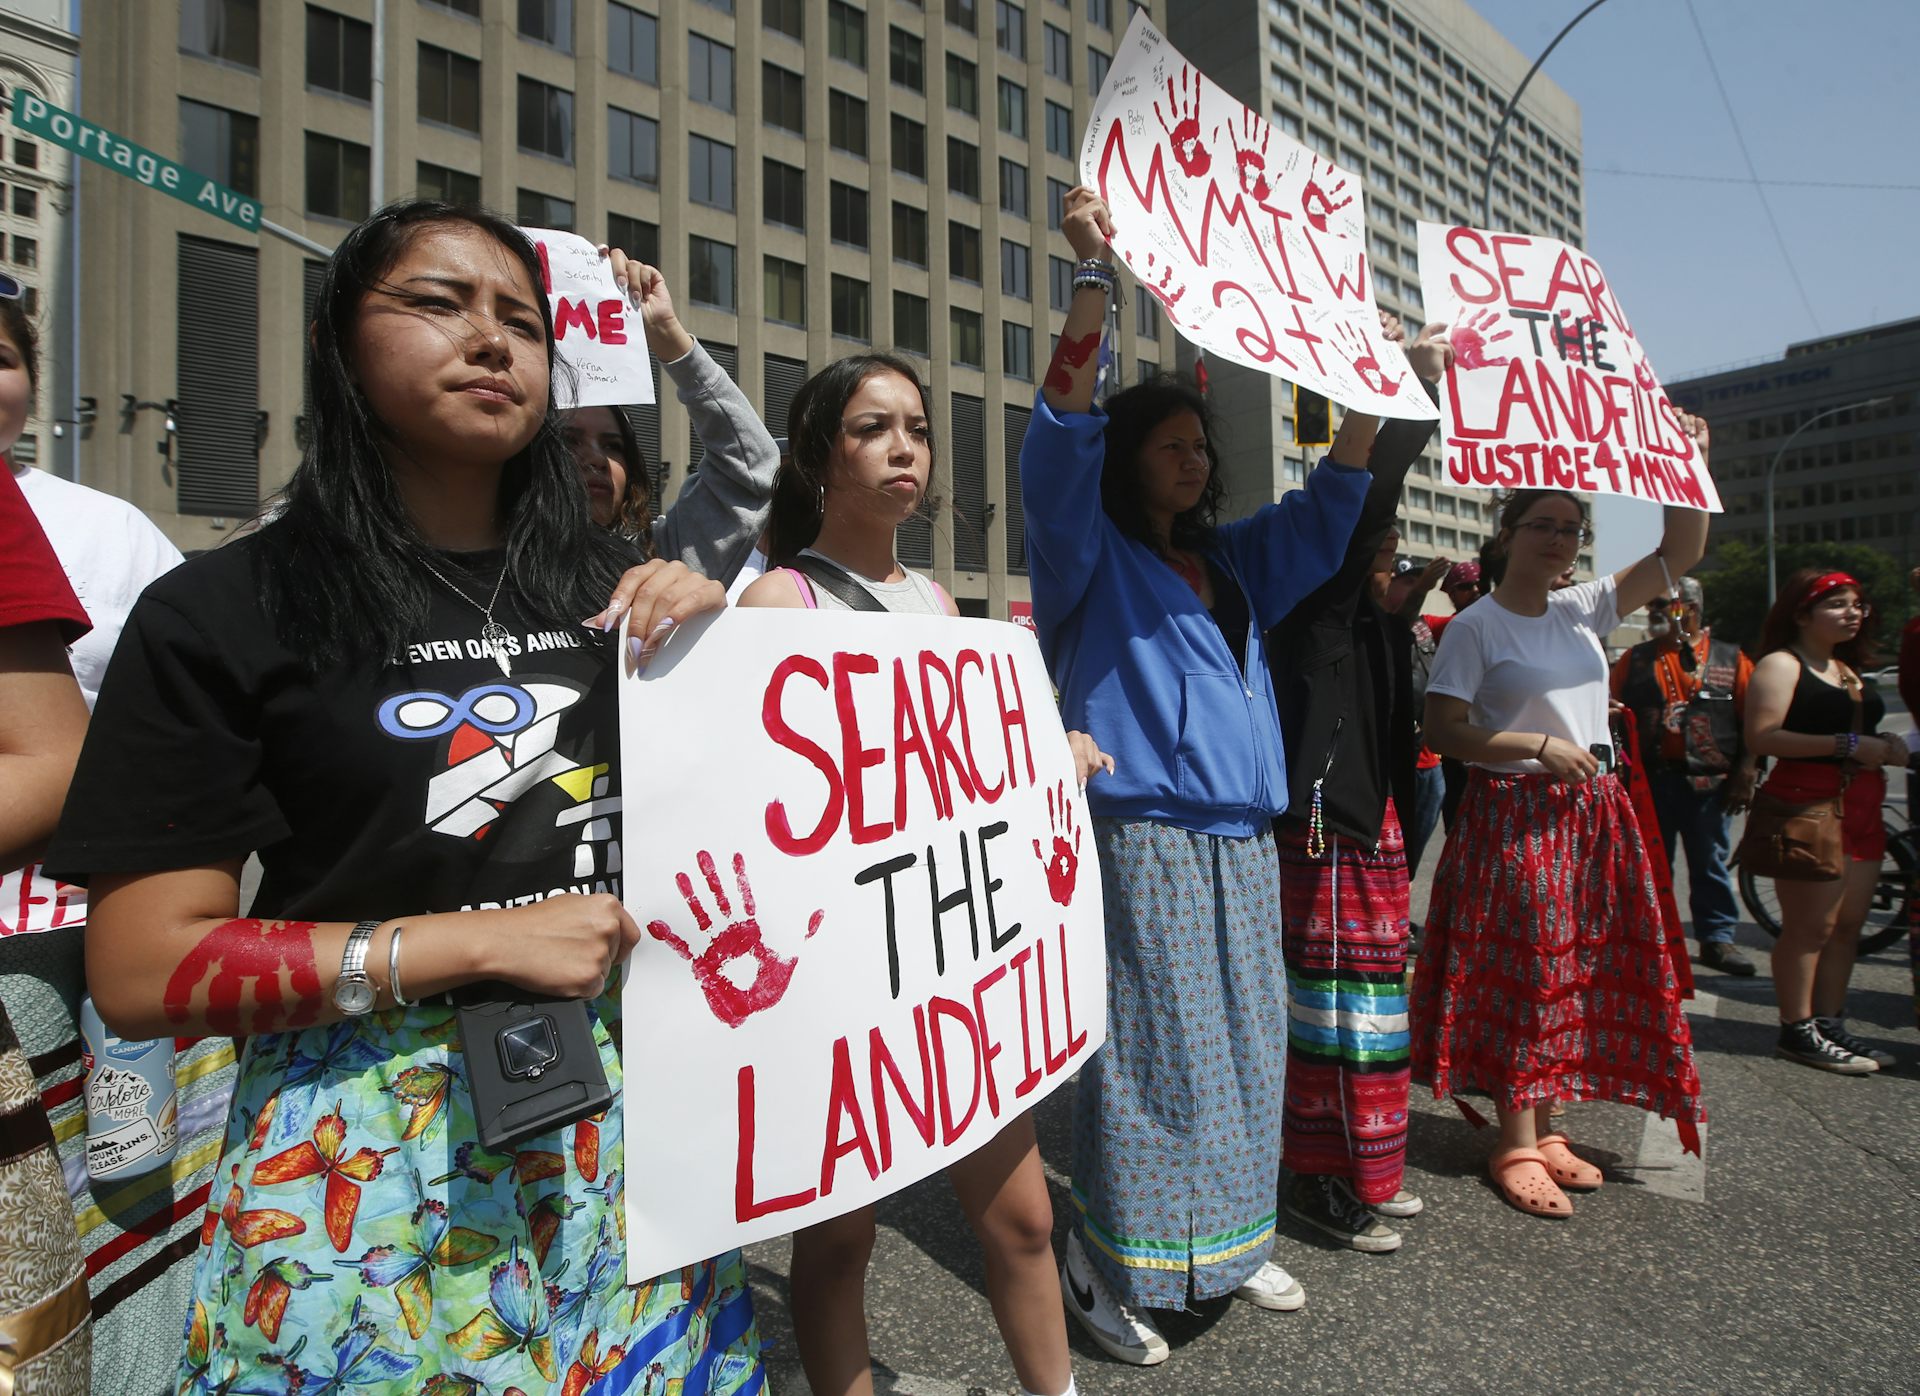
732, 1002
1062, 860
1321, 204
1472, 341
1360, 354
1251, 159
1183, 137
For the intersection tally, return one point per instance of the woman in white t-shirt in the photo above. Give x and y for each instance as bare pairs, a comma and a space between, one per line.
1543, 974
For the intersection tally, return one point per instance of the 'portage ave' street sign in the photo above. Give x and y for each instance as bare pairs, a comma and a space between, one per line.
136, 162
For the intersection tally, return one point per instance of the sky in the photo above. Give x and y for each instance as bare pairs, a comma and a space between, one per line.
1822, 92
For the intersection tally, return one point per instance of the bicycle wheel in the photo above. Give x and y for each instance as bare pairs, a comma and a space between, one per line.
1886, 919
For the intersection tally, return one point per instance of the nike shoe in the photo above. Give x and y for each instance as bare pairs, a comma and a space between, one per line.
1272, 1288
1121, 1332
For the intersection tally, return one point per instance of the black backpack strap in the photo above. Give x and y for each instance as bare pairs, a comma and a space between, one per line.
835, 582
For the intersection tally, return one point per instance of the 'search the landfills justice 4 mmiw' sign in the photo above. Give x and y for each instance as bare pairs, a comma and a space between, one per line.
870, 911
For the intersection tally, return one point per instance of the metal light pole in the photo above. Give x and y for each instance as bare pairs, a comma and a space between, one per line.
1773, 573
1500, 131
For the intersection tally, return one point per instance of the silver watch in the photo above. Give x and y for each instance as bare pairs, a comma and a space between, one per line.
353, 992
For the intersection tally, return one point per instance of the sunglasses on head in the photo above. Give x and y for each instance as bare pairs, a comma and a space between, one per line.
11, 289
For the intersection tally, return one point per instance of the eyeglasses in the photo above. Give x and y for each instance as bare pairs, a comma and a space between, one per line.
1839, 605
1544, 529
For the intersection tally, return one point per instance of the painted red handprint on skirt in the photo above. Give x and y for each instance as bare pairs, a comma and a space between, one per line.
1473, 341
1360, 354
1251, 159
740, 942
1062, 859
1183, 137
1321, 204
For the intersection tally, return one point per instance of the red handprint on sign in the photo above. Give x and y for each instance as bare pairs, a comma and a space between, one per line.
1183, 137
1164, 288
732, 1002
1353, 344
1251, 159
1062, 862
1472, 341
1321, 204
1643, 375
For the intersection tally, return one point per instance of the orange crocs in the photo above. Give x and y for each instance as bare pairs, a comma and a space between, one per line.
1566, 1167
1526, 1182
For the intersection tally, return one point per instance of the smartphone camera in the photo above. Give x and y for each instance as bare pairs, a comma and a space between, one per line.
528, 1048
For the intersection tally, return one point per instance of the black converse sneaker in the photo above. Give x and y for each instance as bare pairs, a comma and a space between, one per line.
1324, 1203
1835, 1030
1803, 1042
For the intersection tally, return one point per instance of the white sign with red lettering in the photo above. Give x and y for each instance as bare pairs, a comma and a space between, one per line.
1253, 244
871, 929
596, 333
1549, 385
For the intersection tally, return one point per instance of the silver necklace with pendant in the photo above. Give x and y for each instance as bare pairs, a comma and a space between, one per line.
493, 634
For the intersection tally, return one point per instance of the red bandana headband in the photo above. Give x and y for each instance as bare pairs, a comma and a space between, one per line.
1831, 581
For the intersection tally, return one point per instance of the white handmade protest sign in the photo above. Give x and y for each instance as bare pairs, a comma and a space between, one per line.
870, 912
597, 334
1549, 385
1253, 244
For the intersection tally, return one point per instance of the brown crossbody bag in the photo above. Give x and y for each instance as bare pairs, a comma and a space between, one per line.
1793, 842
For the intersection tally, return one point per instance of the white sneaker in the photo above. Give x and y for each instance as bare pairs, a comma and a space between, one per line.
1401, 1205
1270, 1287
1119, 1331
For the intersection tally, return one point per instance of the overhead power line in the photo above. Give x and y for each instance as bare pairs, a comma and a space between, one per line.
1770, 183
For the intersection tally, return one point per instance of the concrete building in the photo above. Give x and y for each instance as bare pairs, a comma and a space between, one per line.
812, 175
39, 55
1851, 477
1406, 93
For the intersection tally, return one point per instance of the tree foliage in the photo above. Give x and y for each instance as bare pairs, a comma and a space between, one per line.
1736, 588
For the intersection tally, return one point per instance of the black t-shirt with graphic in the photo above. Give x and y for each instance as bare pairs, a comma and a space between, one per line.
433, 783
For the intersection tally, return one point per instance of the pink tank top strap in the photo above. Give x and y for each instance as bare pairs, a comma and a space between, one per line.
803, 586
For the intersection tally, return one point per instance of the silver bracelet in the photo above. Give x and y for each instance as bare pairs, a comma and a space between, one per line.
393, 967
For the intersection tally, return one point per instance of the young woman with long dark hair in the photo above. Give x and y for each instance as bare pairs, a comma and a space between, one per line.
861, 456
1151, 616
390, 694
1807, 706
1543, 972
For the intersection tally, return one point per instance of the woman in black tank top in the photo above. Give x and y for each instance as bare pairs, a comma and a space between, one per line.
1807, 706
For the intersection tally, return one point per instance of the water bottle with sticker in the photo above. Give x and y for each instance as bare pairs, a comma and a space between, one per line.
133, 1103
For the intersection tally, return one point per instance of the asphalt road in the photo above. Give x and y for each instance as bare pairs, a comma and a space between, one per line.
1789, 1261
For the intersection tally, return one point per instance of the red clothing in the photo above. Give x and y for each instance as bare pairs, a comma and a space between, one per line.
1678, 687
1863, 830
1428, 757
33, 586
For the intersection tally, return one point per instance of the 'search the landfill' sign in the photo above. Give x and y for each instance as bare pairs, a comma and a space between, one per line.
40, 117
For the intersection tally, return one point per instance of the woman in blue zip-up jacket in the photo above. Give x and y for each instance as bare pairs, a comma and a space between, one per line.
1151, 618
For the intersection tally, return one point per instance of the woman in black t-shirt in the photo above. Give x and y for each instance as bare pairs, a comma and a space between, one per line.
388, 693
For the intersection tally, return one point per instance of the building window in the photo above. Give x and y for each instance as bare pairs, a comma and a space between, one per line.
852, 308
709, 72
537, 210
846, 33
710, 172
724, 6
1057, 191
633, 147
546, 120
228, 30
1016, 270
847, 214
1059, 131
633, 43
26, 253
963, 85
963, 167
964, 13
912, 327
1147, 317
846, 122
1016, 350
1100, 13
26, 154
222, 144
338, 182
786, 291
1057, 51
1059, 283
1013, 109
339, 54
449, 88
217, 343
1010, 30
634, 237
1097, 65
710, 273
448, 186
1013, 188
469, 8
782, 99
548, 22
783, 194
963, 252
909, 146
787, 17
966, 338
910, 236
907, 59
